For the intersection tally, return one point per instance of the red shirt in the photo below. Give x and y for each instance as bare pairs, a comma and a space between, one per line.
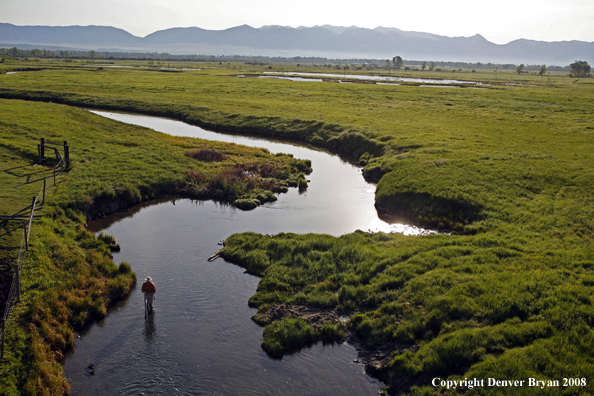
149, 287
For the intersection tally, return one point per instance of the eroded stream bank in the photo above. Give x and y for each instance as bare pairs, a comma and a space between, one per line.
201, 339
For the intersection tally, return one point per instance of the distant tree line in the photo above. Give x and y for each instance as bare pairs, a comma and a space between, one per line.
491, 66
395, 63
160, 56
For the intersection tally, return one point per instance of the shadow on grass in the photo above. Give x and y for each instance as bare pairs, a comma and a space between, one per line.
7, 227
41, 173
428, 210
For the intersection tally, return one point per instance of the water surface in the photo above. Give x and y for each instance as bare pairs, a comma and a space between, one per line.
337, 201
201, 340
379, 78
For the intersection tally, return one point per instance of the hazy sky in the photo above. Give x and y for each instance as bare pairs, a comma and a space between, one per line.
499, 21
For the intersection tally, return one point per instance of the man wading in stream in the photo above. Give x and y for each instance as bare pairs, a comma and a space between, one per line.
149, 289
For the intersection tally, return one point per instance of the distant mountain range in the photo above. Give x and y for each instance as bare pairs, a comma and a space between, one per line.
324, 41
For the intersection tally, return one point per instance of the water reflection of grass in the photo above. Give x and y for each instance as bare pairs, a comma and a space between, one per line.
509, 168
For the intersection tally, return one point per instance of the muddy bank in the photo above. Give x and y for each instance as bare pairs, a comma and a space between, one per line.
376, 359
314, 316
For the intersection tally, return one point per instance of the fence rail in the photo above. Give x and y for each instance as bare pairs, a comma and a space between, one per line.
10, 302
14, 294
43, 144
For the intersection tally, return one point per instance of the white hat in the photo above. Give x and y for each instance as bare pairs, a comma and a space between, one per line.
148, 279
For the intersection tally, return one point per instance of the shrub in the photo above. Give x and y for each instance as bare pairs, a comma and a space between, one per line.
207, 155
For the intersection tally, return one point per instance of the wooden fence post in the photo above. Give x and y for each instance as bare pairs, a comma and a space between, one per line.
42, 151
28, 228
27, 236
66, 154
17, 270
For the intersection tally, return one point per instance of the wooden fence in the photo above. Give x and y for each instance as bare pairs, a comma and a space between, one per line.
28, 214
14, 295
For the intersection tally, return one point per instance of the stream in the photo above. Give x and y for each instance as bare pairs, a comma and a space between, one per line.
201, 339
377, 78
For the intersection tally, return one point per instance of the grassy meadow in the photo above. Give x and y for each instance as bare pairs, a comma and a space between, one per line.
507, 166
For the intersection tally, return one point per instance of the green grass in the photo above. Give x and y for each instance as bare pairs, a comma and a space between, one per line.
475, 304
287, 334
132, 164
508, 168
291, 334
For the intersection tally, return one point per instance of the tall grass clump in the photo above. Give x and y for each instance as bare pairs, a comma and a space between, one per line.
208, 155
287, 334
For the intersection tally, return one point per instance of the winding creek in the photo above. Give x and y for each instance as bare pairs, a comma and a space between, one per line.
376, 78
201, 340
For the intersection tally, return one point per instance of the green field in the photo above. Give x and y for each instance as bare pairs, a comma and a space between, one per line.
507, 166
